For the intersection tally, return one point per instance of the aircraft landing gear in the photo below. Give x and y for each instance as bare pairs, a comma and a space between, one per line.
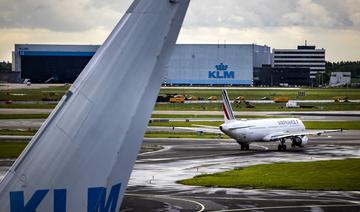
282, 146
244, 146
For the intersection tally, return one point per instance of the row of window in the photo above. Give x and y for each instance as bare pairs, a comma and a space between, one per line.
300, 66
300, 52
299, 61
345, 75
314, 57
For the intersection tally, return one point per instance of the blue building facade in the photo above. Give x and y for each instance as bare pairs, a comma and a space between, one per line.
190, 64
209, 64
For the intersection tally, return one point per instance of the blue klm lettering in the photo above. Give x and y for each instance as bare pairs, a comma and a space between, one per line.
221, 75
97, 198
221, 72
97, 201
17, 203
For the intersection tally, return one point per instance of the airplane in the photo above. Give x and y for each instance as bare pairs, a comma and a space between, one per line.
261, 130
82, 156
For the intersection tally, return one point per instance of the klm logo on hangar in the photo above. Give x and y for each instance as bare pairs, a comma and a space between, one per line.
221, 72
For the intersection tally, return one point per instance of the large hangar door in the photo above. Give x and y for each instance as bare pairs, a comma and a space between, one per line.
62, 69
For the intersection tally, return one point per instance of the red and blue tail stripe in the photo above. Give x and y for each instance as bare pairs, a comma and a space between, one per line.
228, 112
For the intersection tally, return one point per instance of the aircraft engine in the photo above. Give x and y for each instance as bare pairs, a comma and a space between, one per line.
300, 140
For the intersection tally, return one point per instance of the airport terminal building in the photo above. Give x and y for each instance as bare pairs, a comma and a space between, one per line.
190, 64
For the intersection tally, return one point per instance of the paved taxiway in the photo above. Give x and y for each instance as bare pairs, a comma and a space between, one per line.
153, 187
305, 116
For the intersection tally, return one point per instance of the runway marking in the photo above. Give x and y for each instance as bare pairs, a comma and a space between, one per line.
185, 158
264, 147
202, 207
156, 151
265, 198
288, 207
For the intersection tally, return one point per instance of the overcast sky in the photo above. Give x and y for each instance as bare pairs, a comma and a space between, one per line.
330, 24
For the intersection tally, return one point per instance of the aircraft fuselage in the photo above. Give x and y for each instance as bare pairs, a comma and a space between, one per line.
260, 130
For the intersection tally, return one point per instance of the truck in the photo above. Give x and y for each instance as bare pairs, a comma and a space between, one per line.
281, 99
292, 104
177, 99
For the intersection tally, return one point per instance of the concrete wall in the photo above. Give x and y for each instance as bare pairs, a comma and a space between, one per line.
10, 76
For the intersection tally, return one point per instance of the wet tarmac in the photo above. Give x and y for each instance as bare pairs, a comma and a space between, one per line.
153, 186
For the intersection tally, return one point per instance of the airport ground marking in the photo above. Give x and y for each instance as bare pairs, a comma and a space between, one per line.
288, 207
165, 148
273, 199
202, 207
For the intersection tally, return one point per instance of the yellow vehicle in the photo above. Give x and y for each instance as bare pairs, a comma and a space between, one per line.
177, 99
212, 98
191, 98
240, 99
281, 99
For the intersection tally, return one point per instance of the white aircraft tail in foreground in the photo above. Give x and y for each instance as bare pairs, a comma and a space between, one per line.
81, 158
261, 130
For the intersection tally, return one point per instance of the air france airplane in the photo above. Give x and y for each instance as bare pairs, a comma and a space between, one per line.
263, 130
81, 158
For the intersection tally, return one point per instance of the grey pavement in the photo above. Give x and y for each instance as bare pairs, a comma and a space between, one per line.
153, 186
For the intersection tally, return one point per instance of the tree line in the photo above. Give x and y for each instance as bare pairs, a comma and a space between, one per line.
5, 66
344, 66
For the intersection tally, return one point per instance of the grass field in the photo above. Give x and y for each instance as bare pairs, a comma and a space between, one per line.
217, 107
321, 175
185, 124
256, 94
346, 125
18, 132
30, 94
159, 116
11, 149
57, 92
190, 116
260, 107
29, 106
183, 135
23, 116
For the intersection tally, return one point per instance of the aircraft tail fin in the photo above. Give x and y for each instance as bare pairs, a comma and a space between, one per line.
228, 112
82, 156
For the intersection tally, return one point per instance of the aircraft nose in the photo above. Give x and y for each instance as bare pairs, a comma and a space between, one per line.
223, 128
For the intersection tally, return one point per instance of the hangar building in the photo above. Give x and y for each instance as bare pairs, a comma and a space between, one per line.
190, 64
58, 63
207, 64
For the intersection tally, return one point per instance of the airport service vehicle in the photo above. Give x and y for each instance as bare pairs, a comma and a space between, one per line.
292, 104
177, 99
281, 99
263, 130
212, 98
82, 156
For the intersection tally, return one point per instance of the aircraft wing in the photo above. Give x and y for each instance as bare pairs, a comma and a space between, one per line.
82, 156
295, 134
203, 129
